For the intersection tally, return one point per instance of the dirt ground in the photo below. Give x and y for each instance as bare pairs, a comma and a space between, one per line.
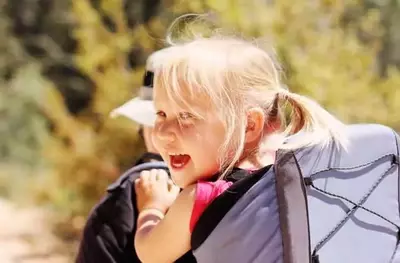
25, 236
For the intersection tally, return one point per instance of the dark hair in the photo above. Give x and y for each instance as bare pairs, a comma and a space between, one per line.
140, 132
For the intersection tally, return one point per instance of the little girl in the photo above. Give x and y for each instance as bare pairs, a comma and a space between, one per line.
219, 103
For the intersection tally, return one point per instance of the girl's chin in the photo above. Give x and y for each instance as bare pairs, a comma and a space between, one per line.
180, 181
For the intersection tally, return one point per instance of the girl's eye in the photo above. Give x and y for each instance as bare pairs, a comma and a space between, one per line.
161, 114
185, 116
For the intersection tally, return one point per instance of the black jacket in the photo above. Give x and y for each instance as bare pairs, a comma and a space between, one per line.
108, 236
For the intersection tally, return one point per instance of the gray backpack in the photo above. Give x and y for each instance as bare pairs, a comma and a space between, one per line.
317, 204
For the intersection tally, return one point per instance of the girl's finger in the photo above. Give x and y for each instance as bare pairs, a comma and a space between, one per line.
145, 176
153, 175
175, 189
171, 185
137, 183
162, 175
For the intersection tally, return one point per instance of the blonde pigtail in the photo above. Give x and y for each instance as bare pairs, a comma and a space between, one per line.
311, 120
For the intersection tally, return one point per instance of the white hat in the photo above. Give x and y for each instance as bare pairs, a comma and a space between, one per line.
141, 109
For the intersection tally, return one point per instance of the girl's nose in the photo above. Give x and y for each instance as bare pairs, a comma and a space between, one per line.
165, 133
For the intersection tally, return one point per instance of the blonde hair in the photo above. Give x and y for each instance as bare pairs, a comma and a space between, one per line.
236, 75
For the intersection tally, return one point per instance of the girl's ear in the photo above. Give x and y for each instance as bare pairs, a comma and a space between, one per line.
255, 124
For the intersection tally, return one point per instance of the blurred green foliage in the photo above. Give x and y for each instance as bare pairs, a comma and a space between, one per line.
331, 50
23, 128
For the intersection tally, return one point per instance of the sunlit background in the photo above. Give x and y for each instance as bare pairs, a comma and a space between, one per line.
65, 64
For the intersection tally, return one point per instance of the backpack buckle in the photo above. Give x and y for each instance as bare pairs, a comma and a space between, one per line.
308, 181
396, 159
315, 258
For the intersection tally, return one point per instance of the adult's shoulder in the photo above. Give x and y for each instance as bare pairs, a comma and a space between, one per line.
117, 207
107, 234
128, 176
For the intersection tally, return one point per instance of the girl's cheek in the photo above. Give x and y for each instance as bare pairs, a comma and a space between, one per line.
187, 127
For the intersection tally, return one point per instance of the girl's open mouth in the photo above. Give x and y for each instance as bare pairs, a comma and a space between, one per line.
179, 161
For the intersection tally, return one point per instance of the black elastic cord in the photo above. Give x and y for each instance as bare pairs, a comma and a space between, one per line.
355, 204
394, 159
321, 243
396, 247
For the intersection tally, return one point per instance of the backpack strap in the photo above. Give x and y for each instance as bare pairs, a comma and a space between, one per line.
133, 172
293, 209
221, 205
147, 156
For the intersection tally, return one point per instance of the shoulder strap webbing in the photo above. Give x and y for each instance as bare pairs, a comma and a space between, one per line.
293, 209
147, 156
214, 213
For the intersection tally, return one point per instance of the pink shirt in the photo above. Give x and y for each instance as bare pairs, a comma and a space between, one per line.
206, 192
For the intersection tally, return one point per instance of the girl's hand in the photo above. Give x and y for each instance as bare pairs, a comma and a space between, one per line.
154, 190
